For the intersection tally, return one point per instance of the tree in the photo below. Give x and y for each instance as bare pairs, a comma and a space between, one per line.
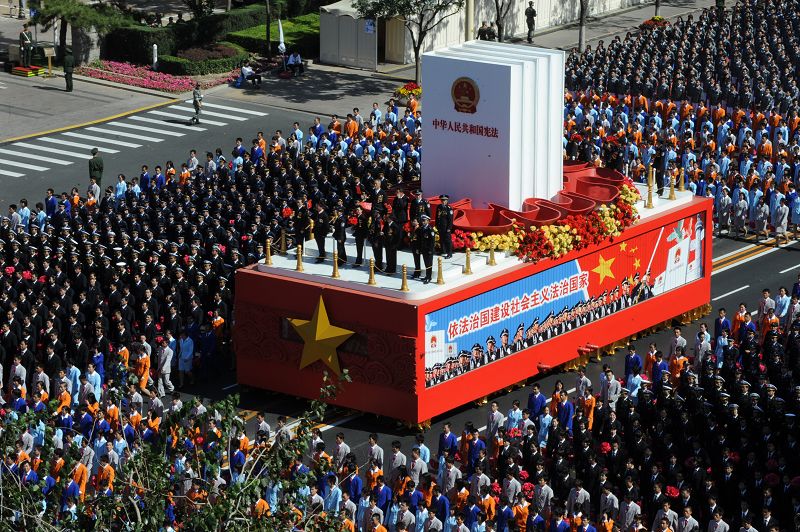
658, 7
199, 8
584, 13
100, 17
502, 7
420, 17
143, 486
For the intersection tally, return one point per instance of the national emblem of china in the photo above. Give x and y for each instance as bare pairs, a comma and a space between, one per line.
465, 95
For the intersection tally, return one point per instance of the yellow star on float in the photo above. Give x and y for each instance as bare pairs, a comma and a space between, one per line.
320, 338
603, 268
634, 250
636, 263
623, 246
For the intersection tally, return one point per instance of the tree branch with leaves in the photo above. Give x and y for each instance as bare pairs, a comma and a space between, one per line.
420, 18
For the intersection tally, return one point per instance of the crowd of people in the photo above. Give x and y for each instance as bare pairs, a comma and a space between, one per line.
712, 101
116, 299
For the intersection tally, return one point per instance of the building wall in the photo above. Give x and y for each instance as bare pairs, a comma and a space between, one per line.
549, 13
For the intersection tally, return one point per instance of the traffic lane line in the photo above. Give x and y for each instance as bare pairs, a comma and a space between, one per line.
726, 294
746, 259
745, 252
790, 268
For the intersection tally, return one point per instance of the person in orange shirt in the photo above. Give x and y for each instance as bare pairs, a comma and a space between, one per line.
262, 142
335, 124
142, 368
378, 527
413, 105
105, 477
112, 414
261, 509
372, 474
22, 456
589, 402
135, 418
677, 364
185, 175
58, 465
80, 475
555, 398
521, 510
487, 503
350, 126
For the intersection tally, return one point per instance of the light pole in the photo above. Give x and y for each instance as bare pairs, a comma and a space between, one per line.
269, 43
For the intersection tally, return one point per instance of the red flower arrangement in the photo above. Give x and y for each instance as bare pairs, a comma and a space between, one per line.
523, 475
462, 240
655, 22
287, 212
605, 448
514, 432
527, 490
495, 488
672, 492
352, 221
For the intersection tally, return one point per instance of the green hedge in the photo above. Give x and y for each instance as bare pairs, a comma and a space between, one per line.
300, 33
135, 44
179, 66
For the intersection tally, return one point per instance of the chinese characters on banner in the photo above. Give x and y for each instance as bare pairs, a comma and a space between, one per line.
509, 309
465, 128
482, 329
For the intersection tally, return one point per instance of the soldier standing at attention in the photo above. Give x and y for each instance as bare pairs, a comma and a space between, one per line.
530, 20
392, 236
361, 231
413, 238
197, 102
427, 242
339, 235
322, 226
69, 66
376, 239
96, 166
25, 45
444, 224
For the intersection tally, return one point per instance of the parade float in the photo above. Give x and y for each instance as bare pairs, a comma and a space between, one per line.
555, 262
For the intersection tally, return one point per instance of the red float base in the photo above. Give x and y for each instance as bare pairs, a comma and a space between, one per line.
386, 356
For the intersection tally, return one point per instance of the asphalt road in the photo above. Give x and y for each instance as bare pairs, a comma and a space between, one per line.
28, 167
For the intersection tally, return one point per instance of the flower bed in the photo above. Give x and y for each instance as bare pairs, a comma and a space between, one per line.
213, 59
147, 78
405, 91
655, 22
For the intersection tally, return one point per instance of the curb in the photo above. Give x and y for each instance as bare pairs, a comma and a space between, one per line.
92, 122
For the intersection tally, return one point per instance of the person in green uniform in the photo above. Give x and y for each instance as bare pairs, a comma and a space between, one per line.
25, 45
197, 102
69, 66
96, 166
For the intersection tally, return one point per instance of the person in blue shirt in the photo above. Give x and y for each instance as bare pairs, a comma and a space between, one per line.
566, 412
424, 452
159, 179
440, 504
382, 494
536, 401
659, 366
505, 516
632, 360
144, 180
447, 441
475, 447
333, 498
51, 203
535, 522
237, 461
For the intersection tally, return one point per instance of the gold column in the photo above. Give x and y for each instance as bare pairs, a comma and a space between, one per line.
372, 281
468, 264
299, 266
439, 273
681, 186
671, 187
335, 274
268, 260
491, 261
404, 285
283, 241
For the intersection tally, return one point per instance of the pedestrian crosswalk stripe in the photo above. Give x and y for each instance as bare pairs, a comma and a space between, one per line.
102, 149
12, 164
165, 123
37, 157
103, 139
143, 128
208, 113
234, 109
53, 150
179, 117
123, 134
8, 173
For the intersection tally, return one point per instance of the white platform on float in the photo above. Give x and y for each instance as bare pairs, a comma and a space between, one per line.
452, 269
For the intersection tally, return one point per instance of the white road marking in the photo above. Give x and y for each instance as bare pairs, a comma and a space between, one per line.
165, 123
38, 157
78, 145
234, 109
338, 422
179, 117
148, 129
53, 150
209, 113
234, 385
754, 257
103, 139
734, 252
12, 164
123, 134
790, 268
10, 174
726, 294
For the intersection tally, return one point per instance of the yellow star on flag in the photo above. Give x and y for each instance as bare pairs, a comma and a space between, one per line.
603, 268
623, 246
636, 263
320, 338
634, 250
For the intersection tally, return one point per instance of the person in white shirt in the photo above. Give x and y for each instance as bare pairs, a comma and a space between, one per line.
295, 63
248, 74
